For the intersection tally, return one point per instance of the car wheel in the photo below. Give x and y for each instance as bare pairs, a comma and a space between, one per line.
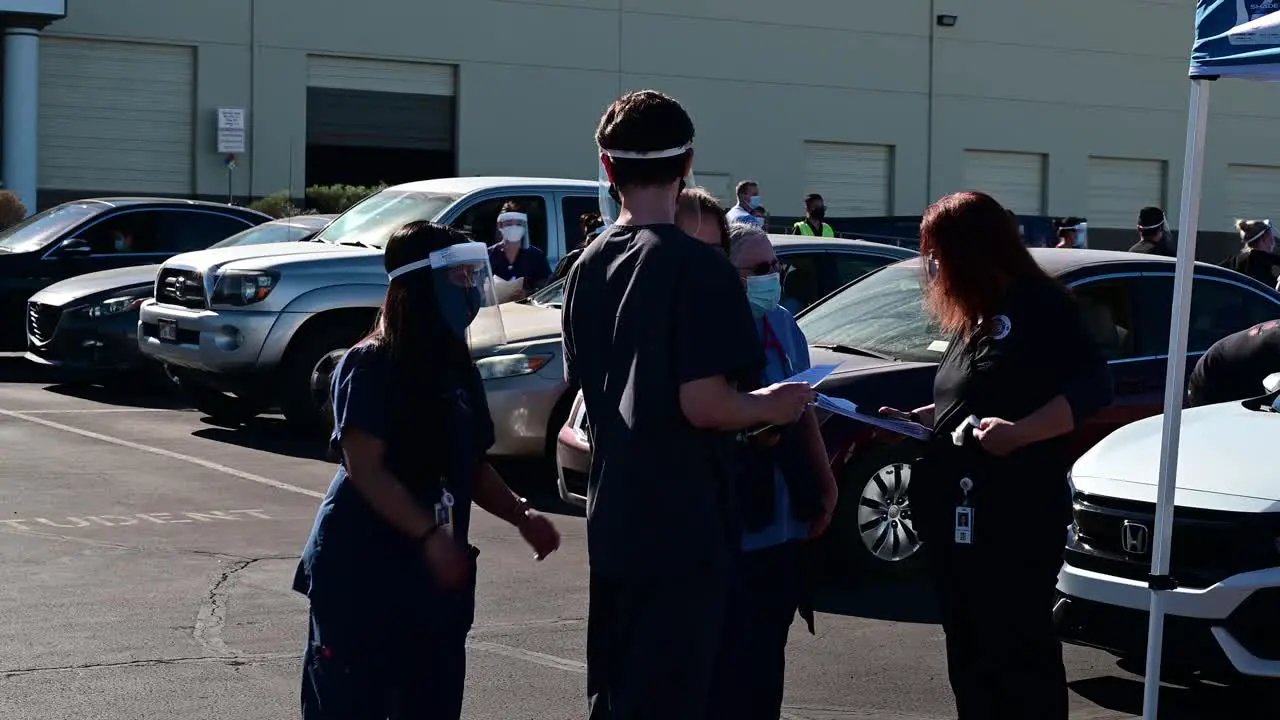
874, 527
221, 407
307, 369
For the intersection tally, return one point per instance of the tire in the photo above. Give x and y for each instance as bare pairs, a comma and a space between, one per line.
872, 529
223, 408
309, 364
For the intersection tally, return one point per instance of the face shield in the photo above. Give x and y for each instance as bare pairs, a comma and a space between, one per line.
513, 228
609, 200
465, 293
1082, 235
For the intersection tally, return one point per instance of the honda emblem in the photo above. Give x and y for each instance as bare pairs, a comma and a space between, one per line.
1133, 538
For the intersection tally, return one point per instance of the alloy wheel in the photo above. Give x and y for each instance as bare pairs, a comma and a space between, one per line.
884, 514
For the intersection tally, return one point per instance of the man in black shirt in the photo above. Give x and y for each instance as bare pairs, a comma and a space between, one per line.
658, 332
1153, 234
1236, 365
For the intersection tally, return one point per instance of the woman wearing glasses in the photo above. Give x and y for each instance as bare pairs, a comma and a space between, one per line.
786, 495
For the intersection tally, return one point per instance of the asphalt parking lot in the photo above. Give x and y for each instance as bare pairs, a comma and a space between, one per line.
147, 557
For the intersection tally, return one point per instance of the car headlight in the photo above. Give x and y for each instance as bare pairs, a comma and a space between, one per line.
505, 366
243, 287
115, 305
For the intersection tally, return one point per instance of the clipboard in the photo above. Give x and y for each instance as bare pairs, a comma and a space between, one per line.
845, 408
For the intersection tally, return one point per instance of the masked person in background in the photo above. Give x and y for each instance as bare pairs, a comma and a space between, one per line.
786, 494
1020, 372
815, 211
1072, 233
388, 569
513, 258
748, 193
592, 225
1257, 258
1153, 234
700, 215
660, 338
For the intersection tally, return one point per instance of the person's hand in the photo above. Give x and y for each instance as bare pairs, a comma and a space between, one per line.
925, 415
830, 495
446, 559
998, 436
538, 530
786, 401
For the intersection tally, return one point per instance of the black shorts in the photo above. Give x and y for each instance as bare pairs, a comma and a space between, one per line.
652, 646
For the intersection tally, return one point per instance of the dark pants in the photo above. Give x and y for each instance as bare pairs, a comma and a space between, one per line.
1003, 655
652, 646
753, 665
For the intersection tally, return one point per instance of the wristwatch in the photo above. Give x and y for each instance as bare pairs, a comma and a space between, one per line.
522, 511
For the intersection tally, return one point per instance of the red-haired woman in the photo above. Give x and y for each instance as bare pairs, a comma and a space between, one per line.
991, 502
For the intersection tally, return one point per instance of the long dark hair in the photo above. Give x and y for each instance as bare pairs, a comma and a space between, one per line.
411, 327
979, 256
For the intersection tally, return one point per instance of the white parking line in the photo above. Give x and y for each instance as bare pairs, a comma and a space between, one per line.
207, 464
98, 411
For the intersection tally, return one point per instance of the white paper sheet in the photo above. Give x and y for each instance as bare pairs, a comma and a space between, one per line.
840, 406
507, 289
813, 375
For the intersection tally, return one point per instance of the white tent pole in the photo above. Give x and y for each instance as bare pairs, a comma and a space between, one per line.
1175, 375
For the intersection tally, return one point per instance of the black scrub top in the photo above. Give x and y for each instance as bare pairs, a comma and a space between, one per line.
1257, 264
1017, 360
1235, 366
530, 263
354, 558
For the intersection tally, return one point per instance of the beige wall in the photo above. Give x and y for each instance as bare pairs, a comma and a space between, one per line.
1070, 80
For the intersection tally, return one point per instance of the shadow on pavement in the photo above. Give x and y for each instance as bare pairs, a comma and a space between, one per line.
123, 392
14, 368
874, 598
1198, 701
268, 434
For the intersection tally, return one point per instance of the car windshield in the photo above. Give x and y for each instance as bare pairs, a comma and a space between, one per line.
36, 231
549, 296
882, 314
272, 232
370, 222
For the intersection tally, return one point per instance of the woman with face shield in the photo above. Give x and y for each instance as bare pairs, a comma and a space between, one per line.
514, 259
388, 569
1257, 258
786, 496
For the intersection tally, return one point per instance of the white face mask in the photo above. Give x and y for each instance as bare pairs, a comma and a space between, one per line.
512, 234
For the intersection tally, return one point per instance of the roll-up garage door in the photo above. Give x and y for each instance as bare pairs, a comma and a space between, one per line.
1253, 192
855, 180
1119, 188
116, 116
1016, 180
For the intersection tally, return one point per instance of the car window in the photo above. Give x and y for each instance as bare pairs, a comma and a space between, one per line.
40, 229
372, 220
1106, 307
882, 313
272, 232
572, 208
131, 232
801, 279
180, 231
481, 219
1220, 308
851, 266
549, 296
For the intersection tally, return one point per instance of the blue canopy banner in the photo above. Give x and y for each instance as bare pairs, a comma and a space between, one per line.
1237, 39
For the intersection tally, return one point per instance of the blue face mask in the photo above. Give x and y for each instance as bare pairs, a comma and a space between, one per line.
459, 307
754, 201
763, 292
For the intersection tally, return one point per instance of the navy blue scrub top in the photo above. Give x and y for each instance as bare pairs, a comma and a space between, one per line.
354, 553
530, 264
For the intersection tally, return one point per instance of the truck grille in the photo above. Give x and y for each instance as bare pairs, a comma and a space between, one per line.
184, 288
1208, 545
42, 321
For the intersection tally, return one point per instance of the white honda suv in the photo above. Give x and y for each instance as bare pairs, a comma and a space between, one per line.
1223, 618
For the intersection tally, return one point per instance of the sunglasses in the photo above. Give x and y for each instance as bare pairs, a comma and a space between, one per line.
765, 268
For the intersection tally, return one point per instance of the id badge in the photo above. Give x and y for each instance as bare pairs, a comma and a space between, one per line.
964, 525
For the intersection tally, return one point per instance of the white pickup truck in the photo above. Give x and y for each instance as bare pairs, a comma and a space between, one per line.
244, 329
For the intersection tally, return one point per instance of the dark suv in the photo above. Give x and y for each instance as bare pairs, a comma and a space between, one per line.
86, 236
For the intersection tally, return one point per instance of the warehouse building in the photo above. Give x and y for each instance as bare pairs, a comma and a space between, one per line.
1056, 108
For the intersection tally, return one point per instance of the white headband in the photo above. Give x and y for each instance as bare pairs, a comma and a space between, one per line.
1152, 227
460, 254
516, 216
1262, 232
648, 154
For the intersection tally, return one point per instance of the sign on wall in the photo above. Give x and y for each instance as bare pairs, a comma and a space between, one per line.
231, 130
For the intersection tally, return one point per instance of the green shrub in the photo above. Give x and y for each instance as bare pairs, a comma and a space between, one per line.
12, 211
277, 205
337, 198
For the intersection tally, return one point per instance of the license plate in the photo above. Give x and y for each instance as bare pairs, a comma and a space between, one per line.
168, 330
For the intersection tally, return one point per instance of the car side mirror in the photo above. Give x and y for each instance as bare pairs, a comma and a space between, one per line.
74, 247
1271, 383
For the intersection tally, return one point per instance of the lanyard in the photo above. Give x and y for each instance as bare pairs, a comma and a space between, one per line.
771, 342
